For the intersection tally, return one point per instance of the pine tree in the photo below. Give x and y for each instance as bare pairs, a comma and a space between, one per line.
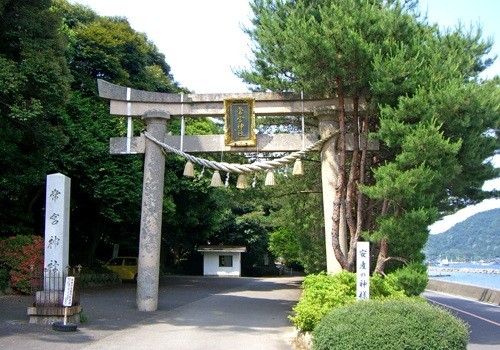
413, 87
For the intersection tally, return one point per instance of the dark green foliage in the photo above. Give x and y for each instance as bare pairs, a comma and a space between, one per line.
471, 240
390, 325
411, 279
296, 210
34, 86
4, 279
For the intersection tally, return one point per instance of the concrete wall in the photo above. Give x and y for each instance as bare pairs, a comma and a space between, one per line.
211, 265
486, 295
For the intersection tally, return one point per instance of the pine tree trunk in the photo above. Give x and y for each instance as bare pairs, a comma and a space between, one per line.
352, 202
382, 256
384, 247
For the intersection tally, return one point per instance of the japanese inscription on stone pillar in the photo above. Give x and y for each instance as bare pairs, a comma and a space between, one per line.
56, 257
239, 122
363, 271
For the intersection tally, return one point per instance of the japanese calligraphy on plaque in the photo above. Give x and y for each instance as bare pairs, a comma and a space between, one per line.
239, 121
362, 270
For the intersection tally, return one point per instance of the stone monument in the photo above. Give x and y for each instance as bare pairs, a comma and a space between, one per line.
48, 306
56, 257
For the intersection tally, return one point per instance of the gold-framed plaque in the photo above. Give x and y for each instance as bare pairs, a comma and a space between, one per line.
239, 122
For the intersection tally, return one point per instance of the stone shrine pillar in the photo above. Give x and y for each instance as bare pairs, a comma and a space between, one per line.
48, 307
56, 257
148, 274
328, 123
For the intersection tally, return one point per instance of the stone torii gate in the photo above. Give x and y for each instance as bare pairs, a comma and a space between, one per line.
157, 108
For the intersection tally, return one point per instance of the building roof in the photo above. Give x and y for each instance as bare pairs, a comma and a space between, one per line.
222, 248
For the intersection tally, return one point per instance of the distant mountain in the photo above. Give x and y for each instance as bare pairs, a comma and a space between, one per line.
477, 238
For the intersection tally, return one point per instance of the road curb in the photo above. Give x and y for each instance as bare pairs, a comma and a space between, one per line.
486, 295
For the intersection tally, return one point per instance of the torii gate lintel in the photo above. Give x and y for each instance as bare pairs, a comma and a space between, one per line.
131, 102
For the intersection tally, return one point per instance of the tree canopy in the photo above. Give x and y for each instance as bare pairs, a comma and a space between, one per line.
34, 84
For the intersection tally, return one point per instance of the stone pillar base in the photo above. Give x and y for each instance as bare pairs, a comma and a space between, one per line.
49, 314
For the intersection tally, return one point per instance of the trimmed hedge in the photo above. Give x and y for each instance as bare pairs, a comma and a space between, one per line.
94, 279
408, 323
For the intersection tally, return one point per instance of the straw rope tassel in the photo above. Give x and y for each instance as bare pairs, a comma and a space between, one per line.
216, 179
269, 178
298, 167
188, 168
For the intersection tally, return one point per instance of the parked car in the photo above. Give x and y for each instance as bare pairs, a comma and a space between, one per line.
124, 266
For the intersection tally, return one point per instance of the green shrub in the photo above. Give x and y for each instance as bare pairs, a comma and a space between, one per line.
19, 254
384, 288
408, 323
324, 292
90, 278
83, 318
412, 279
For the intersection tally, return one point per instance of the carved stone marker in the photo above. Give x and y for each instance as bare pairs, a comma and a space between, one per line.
48, 307
56, 256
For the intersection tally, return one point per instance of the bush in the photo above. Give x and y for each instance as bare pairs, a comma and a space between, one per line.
324, 292
408, 323
90, 278
384, 288
4, 279
412, 279
18, 255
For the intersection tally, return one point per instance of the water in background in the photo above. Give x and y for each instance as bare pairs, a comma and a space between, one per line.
457, 274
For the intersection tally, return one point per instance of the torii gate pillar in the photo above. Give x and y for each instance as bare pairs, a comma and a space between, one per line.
328, 123
148, 277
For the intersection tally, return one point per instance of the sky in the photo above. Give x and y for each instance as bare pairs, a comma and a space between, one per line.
204, 43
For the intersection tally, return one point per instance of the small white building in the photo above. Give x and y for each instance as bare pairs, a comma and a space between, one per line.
220, 260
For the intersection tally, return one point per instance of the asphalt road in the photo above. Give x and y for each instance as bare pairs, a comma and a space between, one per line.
193, 313
201, 313
483, 319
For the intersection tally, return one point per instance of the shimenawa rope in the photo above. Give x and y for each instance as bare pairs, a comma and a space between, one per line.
242, 168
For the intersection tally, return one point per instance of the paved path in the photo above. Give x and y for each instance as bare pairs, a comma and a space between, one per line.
193, 313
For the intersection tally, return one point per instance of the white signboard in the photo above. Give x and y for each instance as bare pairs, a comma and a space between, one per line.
68, 291
363, 271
